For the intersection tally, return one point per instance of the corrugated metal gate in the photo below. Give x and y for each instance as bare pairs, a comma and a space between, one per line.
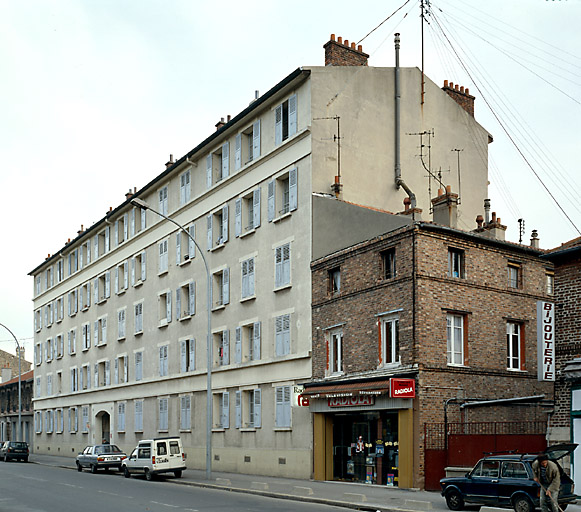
466, 443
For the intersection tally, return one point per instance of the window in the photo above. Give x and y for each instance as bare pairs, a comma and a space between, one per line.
550, 282
486, 468
85, 296
388, 263
163, 257
164, 301
247, 215
48, 278
86, 333
282, 195
185, 412
283, 406
334, 280
84, 254
221, 290
38, 354
514, 346
121, 229
282, 266
48, 315
59, 310
138, 216
456, 263
101, 243
252, 404
49, 350
49, 421
37, 281
514, 470
247, 343
101, 331
222, 348
138, 318
138, 269
59, 345
389, 343
38, 320
138, 417
59, 427
38, 387
163, 207
455, 339
247, 145
103, 373
85, 376
73, 262
187, 355
74, 380
72, 341
121, 324
49, 384
121, 375
163, 363
222, 408
85, 419
121, 417
38, 422
59, 382
285, 120
282, 335
60, 270
217, 224
248, 278
73, 420
335, 351
185, 187
514, 275
163, 414
185, 247
102, 287
218, 165
121, 277
73, 304
138, 365
186, 301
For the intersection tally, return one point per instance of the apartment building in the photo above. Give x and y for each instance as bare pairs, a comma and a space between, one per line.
120, 310
9, 408
425, 351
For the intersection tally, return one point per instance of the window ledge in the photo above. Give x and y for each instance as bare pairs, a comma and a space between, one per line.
60, 320
101, 300
282, 217
121, 292
138, 333
162, 272
162, 324
184, 318
181, 264
185, 430
121, 338
518, 370
102, 344
248, 429
283, 429
246, 233
452, 365
218, 247
283, 287
138, 283
218, 429
219, 308
246, 299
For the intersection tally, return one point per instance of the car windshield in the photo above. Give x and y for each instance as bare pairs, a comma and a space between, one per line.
106, 448
18, 445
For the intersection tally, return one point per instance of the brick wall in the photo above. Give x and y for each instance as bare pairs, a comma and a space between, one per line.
340, 53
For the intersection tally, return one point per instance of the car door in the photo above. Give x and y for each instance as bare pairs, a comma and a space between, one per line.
161, 455
143, 456
514, 477
482, 484
175, 454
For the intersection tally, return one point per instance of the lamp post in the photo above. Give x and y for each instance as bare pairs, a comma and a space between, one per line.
140, 203
19, 387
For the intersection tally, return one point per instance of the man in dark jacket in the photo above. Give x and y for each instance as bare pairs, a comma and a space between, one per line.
546, 473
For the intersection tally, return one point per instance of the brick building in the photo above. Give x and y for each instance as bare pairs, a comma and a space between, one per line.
446, 319
9, 407
565, 425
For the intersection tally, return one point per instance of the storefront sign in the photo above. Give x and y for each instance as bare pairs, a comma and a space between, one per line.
546, 341
351, 401
299, 399
402, 388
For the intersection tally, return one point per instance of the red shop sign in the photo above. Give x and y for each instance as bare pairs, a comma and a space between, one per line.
402, 388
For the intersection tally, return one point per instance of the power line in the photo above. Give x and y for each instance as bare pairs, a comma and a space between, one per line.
392, 14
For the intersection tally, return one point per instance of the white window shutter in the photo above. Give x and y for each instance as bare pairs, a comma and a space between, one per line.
178, 303
116, 280
209, 222
226, 345
143, 266
178, 248
251, 276
116, 371
88, 294
209, 171
96, 332
292, 115
238, 345
238, 409
278, 336
116, 232
168, 305
225, 223
256, 208
192, 305
192, 354
226, 410
278, 267
132, 230
95, 293
107, 237
104, 329
107, 373
256, 140
238, 152
286, 331
125, 226
107, 284
143, 217
226, 286
96, 247
257, 408
191, 244
81, 295
293, 189
225, 160
125, 375
278, 125
183, 355
81, 257
245, 278
256, 341
125, 275
271, 205
238, 217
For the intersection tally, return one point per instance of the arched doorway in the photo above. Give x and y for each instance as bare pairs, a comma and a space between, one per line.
103, 425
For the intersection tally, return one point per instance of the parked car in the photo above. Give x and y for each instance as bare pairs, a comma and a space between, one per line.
154, 456
100, 456
506, 481
14, 450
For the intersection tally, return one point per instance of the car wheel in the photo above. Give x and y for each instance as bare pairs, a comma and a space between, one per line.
454, 500
126, 472
148, 475
79, 467
522, 504
93, 469
178, 473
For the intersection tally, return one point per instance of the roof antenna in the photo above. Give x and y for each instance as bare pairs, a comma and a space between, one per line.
459, 187
521, 230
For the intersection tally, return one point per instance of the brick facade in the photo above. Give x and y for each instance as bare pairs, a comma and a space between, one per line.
422, 294
340, 53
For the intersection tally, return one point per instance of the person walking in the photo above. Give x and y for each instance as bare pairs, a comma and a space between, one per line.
546, 474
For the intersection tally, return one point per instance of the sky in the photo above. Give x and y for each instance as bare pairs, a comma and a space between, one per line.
96, 94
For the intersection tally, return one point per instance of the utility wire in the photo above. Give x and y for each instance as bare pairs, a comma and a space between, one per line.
392, 14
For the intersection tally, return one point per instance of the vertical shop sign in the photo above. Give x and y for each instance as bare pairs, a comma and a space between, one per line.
545, 341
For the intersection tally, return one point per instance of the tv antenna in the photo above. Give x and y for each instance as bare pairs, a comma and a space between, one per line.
438, 178
458, 151
337, 185
521, 230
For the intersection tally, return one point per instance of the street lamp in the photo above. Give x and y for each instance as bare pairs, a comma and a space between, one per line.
19, 387
140, 203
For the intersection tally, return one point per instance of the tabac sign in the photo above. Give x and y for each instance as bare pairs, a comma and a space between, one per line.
546, 341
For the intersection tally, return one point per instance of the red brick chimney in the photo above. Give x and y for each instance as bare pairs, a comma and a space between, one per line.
460, 96
339, 53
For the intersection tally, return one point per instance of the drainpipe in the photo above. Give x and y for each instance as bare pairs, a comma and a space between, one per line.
399, 182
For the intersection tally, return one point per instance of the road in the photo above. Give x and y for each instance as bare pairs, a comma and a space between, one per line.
36, 488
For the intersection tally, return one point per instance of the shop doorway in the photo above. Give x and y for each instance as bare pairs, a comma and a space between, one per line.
365, 447
104, 420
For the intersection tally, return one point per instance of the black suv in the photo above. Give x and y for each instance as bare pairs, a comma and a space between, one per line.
506, 481
14, 450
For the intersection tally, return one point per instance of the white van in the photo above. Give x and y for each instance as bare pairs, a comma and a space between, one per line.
155, 456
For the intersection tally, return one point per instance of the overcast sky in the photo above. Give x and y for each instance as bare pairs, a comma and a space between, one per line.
95, 95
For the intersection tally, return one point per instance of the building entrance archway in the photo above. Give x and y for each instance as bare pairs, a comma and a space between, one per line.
103, 425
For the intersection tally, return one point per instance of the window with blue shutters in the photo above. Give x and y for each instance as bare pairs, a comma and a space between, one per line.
285, 120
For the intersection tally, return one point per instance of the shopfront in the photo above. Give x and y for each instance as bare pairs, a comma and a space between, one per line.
363, 432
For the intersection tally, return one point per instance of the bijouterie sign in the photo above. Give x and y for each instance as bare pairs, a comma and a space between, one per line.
402, 388
546, 341
351, 401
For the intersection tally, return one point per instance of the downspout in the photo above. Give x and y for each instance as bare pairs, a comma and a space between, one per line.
399, 182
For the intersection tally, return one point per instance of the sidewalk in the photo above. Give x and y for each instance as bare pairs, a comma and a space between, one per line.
349, 495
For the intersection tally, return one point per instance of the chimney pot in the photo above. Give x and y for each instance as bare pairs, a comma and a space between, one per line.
467, 91
456, 87
479, 221
228, 118
451, 85
448, 189
407, 202
462, 89
493, 217
346, 43
359, 48
353, 46
340, 40
332, 37
445, 83
440, 192
135, 190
